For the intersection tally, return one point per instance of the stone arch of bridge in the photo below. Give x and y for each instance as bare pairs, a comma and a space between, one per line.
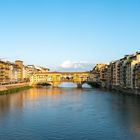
56, 84
55, 79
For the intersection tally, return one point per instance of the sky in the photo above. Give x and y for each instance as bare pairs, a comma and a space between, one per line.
68, 33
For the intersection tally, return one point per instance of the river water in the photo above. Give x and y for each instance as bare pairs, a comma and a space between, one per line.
68, 113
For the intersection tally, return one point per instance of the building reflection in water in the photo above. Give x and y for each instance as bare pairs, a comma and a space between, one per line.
121, 109
125, 108
52, 97
30, 97
9, 102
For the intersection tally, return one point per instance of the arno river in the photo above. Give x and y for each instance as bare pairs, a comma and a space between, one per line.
69, 114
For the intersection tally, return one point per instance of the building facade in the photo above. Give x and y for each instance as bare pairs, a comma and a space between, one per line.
120, 74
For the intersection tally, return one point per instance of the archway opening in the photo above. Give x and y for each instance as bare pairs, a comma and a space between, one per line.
43, 84
67, 78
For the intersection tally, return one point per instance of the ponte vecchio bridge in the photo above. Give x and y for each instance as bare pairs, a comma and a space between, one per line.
56, 78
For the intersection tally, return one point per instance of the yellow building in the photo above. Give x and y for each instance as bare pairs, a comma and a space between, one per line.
99, 74
17, 72
20, 73
4, 72
55, 78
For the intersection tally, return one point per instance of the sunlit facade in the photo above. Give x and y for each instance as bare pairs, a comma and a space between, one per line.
123, 73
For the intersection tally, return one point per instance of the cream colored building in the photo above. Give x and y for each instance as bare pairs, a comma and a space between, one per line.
13, 73
127, 67
137, 76
116, 73
130, 66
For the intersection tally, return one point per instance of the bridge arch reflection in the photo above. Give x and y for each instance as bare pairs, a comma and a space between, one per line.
67, 84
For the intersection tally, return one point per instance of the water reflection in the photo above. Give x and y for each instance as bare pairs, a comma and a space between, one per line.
125, 110
68, 84
69, 113
19, 100
72, 85
9, 102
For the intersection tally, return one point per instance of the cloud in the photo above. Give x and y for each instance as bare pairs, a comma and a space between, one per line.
75, 66
67, 64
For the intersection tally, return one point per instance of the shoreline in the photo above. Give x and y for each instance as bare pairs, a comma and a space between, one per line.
126, 91
13, 88
116, 89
